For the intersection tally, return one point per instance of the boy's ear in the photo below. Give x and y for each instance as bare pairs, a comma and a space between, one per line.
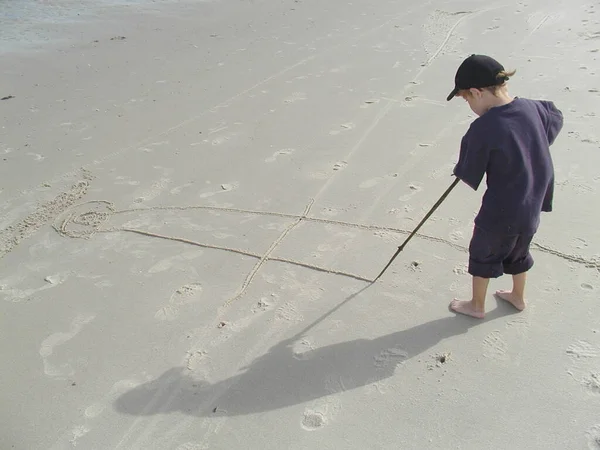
476, 92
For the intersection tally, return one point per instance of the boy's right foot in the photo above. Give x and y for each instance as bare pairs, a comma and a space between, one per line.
513, 299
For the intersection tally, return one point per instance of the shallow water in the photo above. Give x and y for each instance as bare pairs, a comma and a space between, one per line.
32, 23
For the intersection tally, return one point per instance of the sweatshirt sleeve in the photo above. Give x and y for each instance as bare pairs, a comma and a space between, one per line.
553, 120
549, 197
473, 159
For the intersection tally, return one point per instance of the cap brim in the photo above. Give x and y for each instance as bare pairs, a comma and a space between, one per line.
452, 94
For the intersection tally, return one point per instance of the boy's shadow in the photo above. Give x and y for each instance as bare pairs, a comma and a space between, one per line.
281, 378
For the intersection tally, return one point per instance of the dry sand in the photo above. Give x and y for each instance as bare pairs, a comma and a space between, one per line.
189, 190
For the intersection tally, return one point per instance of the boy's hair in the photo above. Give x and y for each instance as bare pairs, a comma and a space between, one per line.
505, 74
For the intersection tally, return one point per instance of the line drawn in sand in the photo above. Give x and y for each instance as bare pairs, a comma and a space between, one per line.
97, 213
14, 234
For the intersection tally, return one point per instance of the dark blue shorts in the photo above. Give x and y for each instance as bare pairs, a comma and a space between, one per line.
491, 254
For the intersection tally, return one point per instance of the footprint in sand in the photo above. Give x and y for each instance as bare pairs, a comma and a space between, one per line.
226, 187
340, 165
326, 173
413, 189
285, 151
313, 420
158, 186
592, 382
368, 184
593, 437
370, 102
441, 172
264, 304
495, 347
151, 193
289, 313
220, 140
78, 432
322, 411
185, 295
340, 69
195, 360
302, 349
37, 156
390, 356
580, 243
124, 180
344, 127
457, 235
454, 287
461, 270
16, 295
490, 29
296, 96
54, 340
519, 322
582, 350
177, 190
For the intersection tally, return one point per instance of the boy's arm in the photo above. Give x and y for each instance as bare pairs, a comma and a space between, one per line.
554, 120
472, 161
549, 197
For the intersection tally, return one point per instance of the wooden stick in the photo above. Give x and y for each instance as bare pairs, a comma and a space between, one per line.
431, 211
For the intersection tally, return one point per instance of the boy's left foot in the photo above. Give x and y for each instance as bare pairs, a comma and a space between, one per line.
513, 299
467, 308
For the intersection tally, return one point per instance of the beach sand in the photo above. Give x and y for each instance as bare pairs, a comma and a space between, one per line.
195, 195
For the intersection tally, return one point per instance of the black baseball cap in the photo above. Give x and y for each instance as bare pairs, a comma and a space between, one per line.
477, 71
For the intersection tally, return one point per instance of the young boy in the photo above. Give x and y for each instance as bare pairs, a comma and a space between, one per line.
509, 142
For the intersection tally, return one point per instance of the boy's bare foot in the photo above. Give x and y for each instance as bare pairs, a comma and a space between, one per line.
513, 299
467, 308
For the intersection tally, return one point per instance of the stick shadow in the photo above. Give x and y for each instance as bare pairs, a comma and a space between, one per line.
281, 378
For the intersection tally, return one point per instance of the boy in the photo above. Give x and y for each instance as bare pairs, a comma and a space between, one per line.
509, 142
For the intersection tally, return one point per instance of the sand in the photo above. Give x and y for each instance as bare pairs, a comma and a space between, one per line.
195, 196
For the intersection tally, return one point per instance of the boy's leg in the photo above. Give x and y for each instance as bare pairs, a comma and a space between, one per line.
486, 253
516, 296
518, 264
476, 306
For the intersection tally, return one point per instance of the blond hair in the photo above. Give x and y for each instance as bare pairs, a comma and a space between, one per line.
503, 75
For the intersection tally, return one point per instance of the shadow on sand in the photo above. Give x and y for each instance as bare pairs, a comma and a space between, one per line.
280, 378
